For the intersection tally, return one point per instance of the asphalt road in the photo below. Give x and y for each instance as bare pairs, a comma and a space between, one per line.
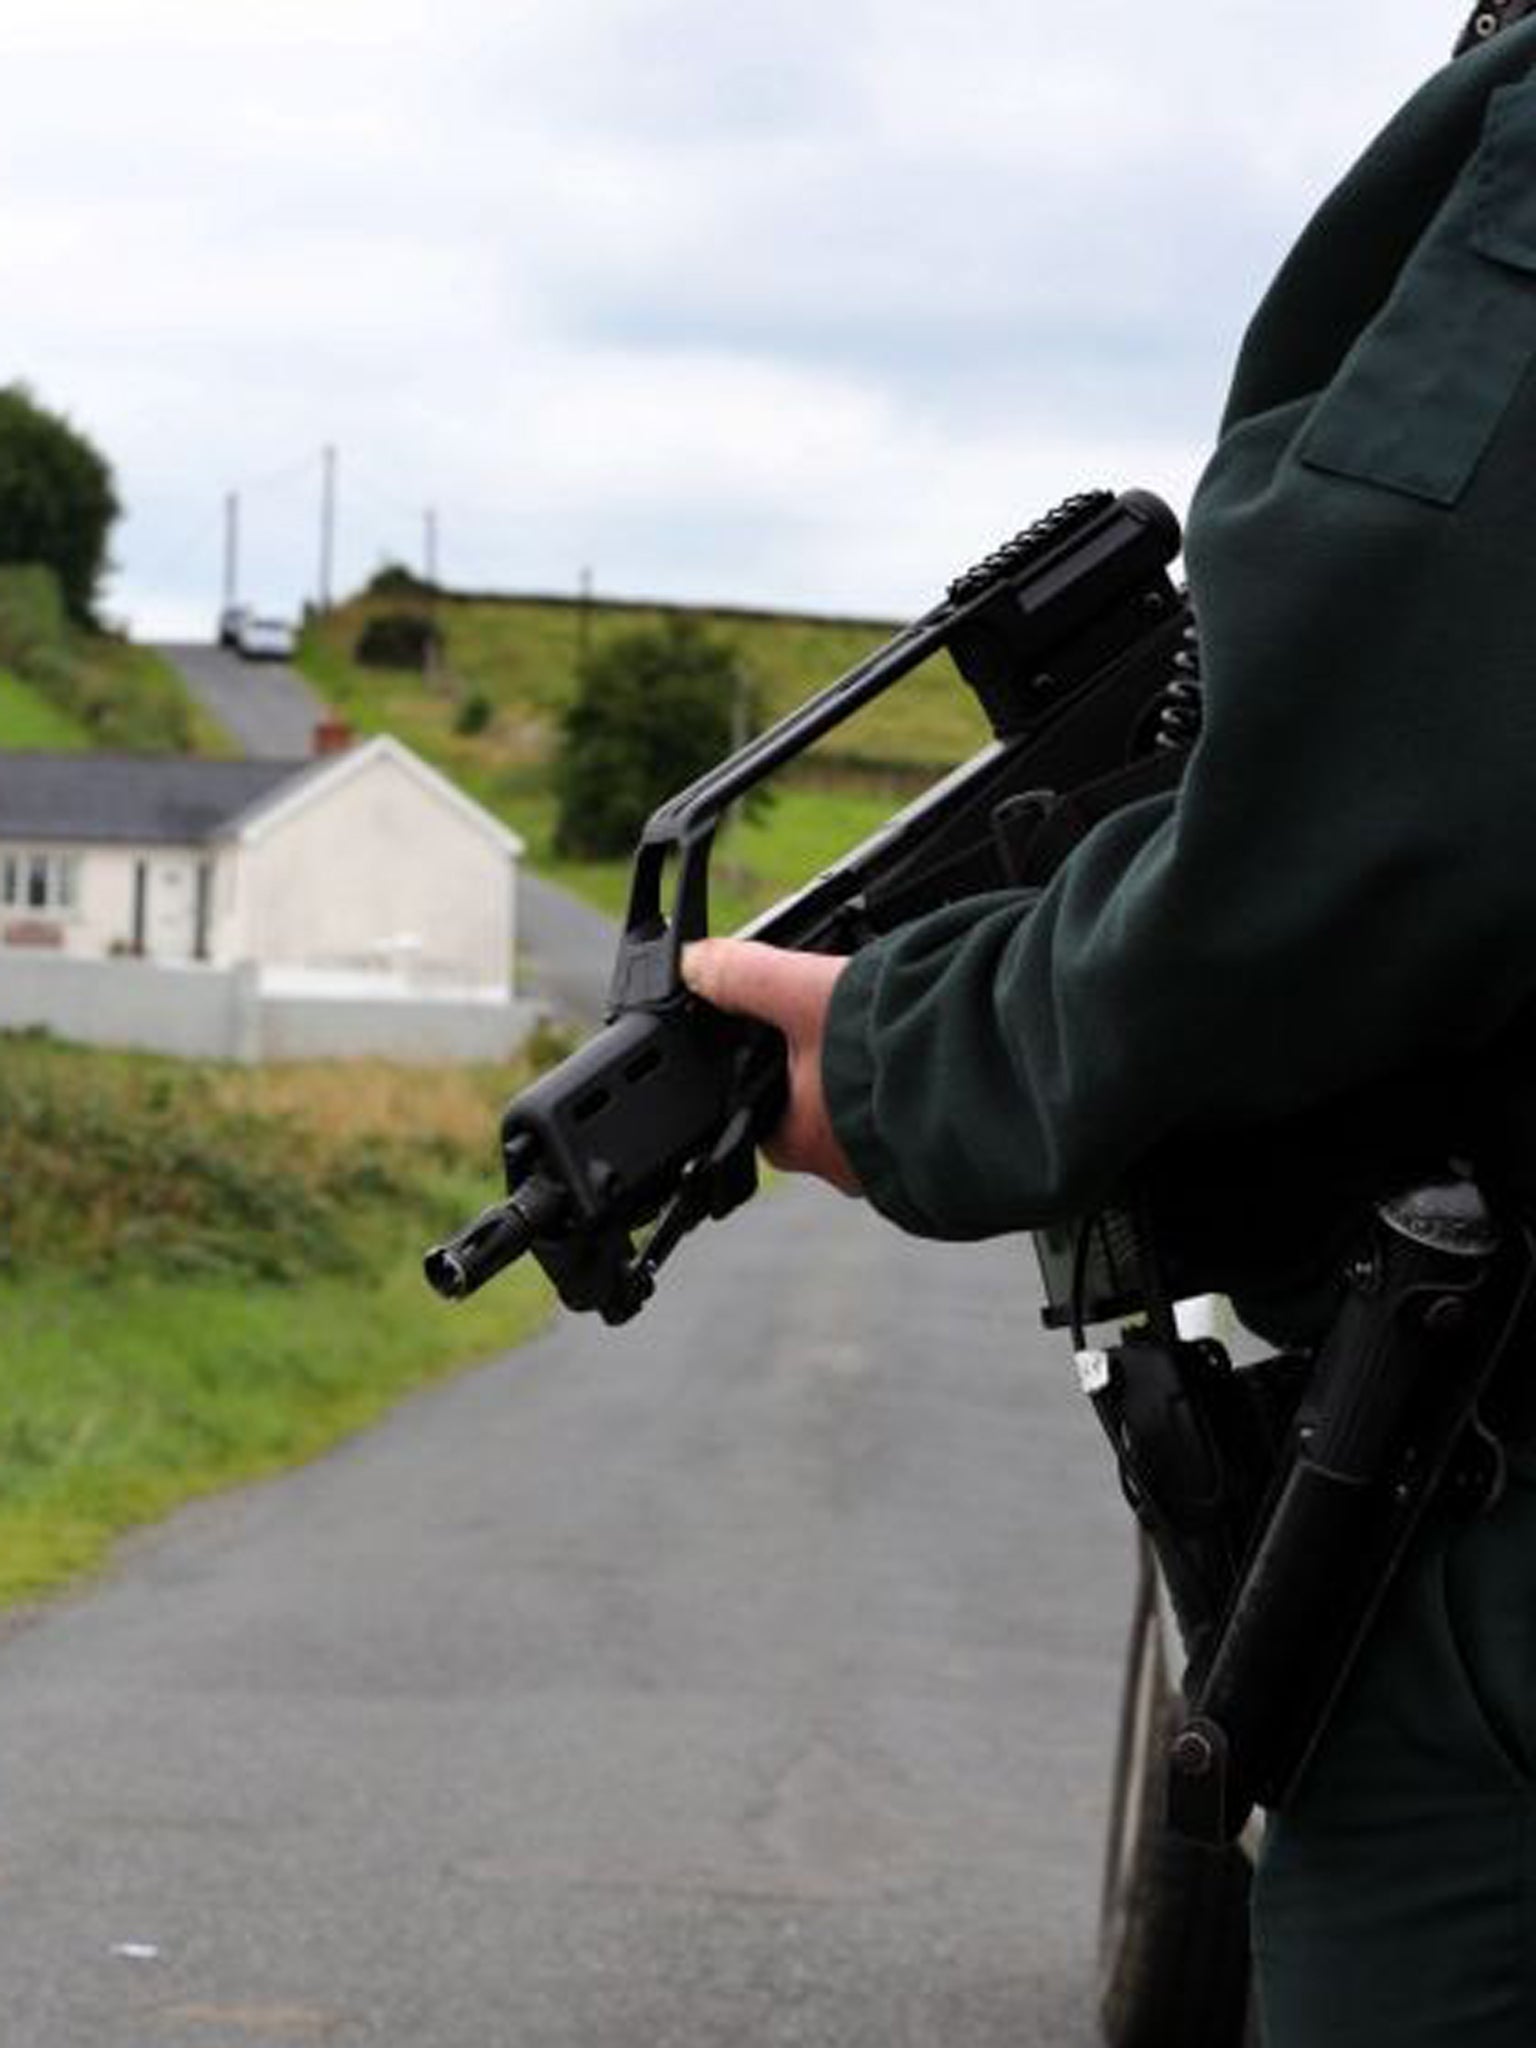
267, 708
739, 1680
565, 949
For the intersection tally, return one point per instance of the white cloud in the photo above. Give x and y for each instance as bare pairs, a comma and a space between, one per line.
788, 306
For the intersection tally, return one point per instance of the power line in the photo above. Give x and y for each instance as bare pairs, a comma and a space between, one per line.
292, 471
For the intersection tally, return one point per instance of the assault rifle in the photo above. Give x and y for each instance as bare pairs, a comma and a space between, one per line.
1068, 635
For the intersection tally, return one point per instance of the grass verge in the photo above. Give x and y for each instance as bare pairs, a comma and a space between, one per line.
119, 1403
210, 1273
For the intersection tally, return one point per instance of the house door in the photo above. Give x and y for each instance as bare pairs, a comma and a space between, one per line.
171, 908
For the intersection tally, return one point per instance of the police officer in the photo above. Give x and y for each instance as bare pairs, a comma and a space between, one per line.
1342, 891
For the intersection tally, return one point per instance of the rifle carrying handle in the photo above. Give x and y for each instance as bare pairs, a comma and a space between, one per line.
1082, 553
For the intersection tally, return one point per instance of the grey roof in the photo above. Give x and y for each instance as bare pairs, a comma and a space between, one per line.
134, 798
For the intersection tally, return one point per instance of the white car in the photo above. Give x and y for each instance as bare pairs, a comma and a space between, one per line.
265, 639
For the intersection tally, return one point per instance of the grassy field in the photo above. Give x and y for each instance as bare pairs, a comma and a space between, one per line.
207, 1273
520, 655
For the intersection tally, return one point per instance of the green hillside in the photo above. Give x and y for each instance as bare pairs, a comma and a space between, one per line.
489, 716
520, 654
29, 720
66, 686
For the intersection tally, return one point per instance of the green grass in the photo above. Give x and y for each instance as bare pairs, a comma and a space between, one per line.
28, 720
118, 1404
113, 694
208, 1273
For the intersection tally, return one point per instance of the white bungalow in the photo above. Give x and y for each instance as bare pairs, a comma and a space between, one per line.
360, 880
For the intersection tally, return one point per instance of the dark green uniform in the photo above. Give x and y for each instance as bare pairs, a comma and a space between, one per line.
1343, 890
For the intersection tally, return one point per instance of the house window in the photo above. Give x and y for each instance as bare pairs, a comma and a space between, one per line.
38, 881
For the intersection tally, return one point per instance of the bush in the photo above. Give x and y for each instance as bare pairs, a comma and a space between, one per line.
474, 714
653, 709
394, 579
165, 1182
398, 640
57, 499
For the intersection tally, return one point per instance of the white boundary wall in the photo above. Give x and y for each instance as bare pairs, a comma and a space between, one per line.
223, 1013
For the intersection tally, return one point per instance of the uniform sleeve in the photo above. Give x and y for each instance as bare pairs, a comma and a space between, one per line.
1345, 885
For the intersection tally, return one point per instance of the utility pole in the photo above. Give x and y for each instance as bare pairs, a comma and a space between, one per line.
231, 549
432, 665
327, 524
584, 618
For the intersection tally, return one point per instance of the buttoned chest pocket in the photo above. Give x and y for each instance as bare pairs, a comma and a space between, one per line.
1419, 397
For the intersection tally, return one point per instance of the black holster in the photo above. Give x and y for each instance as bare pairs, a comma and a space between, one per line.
1276, 1593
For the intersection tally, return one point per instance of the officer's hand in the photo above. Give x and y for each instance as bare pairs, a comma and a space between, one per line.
790, 991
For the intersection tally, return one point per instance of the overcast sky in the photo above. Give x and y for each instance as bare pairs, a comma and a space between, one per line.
801, 304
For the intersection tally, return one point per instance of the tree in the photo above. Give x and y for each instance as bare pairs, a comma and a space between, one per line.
653, 708
57, 499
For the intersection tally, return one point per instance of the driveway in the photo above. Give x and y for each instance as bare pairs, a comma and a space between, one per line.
266, 707
565, 949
